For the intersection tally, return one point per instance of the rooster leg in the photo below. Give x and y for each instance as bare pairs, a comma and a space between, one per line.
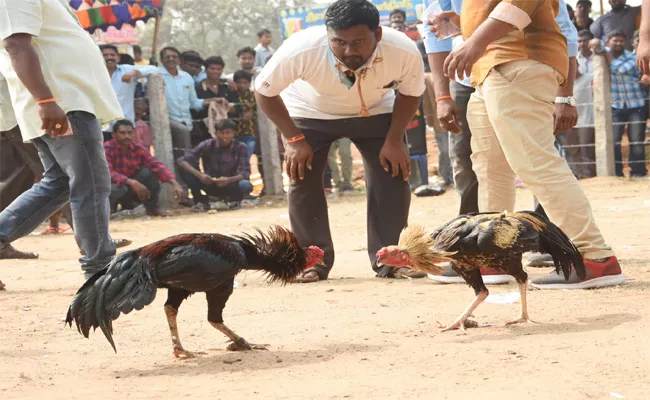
238, 342
174, 300
524, 307
459, 323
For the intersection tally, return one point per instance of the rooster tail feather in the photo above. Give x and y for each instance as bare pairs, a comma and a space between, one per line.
125, 284
556, 243
276, 252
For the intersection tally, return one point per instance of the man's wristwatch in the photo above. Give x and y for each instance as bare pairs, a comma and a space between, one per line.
566, 100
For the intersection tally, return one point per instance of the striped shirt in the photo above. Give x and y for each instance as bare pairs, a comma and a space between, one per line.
627, 90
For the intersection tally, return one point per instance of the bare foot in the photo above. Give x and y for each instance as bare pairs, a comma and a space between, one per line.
242, 345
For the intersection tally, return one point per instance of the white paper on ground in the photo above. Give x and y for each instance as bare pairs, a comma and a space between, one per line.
503, 298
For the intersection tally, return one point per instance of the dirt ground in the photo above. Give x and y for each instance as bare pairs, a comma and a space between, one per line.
354, 336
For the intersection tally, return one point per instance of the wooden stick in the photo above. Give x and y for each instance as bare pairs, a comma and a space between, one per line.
603, 118
161, 133
156, 32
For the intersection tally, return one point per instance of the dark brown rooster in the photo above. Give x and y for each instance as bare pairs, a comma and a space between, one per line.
485, 240
186, 264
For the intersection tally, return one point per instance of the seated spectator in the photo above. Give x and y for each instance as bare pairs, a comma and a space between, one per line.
213, 86
628, 101
245, 111
226, 169
135, 173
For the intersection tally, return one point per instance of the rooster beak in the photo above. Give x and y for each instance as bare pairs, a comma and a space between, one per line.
380, 263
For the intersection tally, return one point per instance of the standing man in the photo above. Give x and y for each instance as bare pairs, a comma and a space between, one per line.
181, 97
582, 19
61, 113
246, 62
585, 97
628, 102
339, 81
523, 72
622, 17
124, 79
263, 50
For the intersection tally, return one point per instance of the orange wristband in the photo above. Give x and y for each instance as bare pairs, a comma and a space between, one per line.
443, 98
296, 139
50, 100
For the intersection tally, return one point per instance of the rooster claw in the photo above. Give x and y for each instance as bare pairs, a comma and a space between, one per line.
458, 325
241, 345
184, 354
521, 320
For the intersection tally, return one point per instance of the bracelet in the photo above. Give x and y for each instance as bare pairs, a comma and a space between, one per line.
50, 100
443, 98
296, 138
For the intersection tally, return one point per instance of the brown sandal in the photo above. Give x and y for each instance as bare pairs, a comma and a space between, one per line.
8, 252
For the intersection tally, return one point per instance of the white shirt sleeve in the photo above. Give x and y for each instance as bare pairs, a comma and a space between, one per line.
285, 67
24, 16
412, 80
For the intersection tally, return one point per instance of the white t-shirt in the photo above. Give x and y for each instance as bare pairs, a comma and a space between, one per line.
583, 90
7, 117
304, 72
72, 65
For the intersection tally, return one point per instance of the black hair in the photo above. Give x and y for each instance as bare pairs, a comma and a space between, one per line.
397, 11
191, 56
246, 49
169, 48
126, 59
225, 124
588, 2
137, 49
615, 33
586, 32
103, 47
214, 60
241, 74
344, 14
122, 122
569, 8
263, 32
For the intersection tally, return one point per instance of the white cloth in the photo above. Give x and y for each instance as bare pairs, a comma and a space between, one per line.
72, 65
303, 71
583, 90
7, 117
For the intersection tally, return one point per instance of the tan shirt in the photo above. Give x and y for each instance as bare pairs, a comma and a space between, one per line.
537, 35
72, 65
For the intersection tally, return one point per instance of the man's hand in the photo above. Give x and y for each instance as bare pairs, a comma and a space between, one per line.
207, 179
448, 116
53, 119
643, 56
565, 117
645, 80
394, 155
139, 189
461, 60
298, 156
179, 193
595, 45
435, 21
127, 78
222, 181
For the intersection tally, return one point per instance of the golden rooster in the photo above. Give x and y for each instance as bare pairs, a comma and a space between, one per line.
485, 240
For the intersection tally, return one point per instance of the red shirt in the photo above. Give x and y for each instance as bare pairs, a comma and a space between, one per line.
123, 164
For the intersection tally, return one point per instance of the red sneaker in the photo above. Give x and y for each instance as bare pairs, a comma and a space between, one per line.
599, 274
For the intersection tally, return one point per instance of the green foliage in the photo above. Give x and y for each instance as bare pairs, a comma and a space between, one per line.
216, 27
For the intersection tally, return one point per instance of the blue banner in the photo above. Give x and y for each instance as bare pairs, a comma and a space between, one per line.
293, 20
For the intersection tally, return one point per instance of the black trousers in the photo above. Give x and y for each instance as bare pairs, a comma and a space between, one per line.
19, 166
128, 198
388, 198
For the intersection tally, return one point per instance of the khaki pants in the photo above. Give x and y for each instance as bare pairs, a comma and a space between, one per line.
511, 118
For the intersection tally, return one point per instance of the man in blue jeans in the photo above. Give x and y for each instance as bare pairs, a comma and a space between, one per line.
60, 98
628, 102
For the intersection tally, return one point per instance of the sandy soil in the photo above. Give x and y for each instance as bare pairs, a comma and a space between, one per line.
354, 336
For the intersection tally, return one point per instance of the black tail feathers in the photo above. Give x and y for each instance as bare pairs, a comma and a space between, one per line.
124, 285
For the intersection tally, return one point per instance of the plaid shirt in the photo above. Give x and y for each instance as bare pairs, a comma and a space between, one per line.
627, 90
124, 164
220, 161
